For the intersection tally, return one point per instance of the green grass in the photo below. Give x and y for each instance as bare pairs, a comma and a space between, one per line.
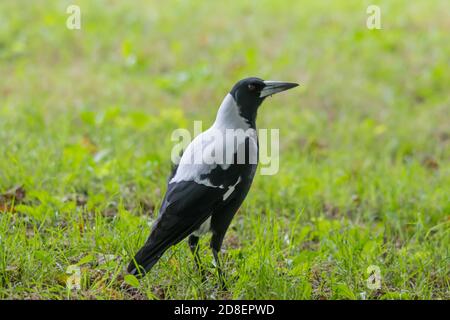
85, 124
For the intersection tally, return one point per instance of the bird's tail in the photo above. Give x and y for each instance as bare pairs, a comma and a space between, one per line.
157, 243
145, 259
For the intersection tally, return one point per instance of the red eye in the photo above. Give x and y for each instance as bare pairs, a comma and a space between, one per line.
251, 87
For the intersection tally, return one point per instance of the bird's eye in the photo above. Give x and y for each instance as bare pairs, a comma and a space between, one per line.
251, 87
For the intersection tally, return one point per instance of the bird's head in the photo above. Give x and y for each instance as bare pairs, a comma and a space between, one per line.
249, 93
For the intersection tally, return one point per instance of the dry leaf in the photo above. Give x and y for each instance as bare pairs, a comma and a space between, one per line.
430, 163
10, 197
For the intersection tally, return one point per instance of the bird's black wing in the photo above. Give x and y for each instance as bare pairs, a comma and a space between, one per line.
186, 205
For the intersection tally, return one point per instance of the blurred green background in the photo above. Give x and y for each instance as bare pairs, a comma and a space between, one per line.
85, 123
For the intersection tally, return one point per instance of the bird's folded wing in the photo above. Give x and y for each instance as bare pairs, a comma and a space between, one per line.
188, 203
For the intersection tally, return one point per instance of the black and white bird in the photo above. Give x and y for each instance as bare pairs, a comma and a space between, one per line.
203, 196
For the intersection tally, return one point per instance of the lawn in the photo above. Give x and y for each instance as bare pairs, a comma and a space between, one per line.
86, 118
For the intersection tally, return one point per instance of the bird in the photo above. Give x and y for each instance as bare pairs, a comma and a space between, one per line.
211, 179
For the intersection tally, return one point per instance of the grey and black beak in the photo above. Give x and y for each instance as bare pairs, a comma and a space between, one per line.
273, 87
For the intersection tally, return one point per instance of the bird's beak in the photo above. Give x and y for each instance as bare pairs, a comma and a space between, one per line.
273, 87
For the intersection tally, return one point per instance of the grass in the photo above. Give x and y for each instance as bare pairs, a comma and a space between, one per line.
85, 123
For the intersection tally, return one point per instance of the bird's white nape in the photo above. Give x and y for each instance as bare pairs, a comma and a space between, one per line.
228, 116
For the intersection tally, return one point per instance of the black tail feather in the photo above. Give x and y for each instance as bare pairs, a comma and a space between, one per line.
157, 243
144, 261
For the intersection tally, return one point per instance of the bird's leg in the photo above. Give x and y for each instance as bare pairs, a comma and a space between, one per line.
216, 244
220, 273
193, 245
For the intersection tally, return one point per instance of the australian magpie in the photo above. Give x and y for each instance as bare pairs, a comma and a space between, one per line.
212, 178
